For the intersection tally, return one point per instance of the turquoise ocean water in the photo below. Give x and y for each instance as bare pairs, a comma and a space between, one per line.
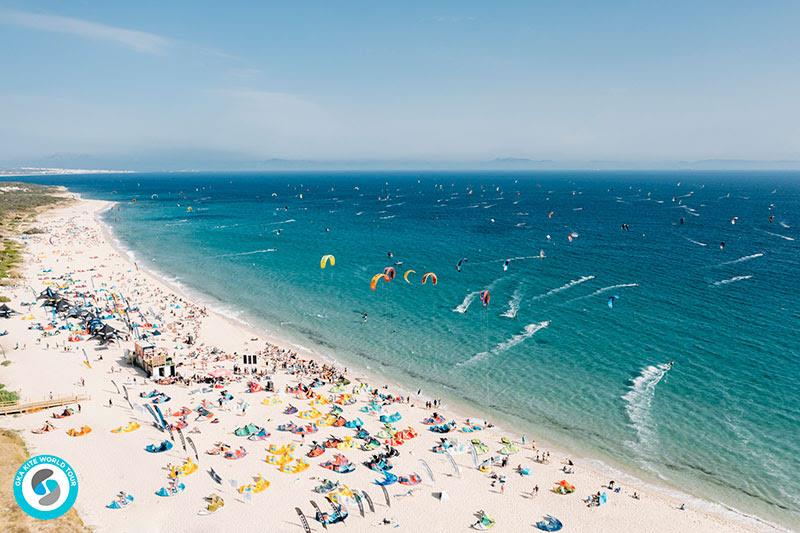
548, 354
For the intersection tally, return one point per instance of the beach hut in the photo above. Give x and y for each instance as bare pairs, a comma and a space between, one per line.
156, 365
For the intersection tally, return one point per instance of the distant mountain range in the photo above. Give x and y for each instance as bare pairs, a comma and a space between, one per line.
215, 160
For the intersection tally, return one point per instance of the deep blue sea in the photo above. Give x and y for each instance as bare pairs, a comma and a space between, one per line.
548, 354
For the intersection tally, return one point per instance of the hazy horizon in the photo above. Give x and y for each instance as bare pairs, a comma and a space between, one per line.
205, 86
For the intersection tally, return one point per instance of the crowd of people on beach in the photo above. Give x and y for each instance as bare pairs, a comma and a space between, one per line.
214, 379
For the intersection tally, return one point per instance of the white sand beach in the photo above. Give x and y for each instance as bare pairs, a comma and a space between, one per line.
75, 257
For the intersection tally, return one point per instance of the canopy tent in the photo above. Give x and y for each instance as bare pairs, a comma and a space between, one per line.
61, 304
94, 324
48, 294
106, 334
75, 312
6, 311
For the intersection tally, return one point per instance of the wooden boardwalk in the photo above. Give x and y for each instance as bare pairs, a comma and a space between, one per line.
12, 408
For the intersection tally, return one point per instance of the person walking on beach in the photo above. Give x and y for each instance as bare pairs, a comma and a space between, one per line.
110, 403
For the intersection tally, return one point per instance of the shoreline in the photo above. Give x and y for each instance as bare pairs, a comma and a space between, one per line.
452, 406
728, 517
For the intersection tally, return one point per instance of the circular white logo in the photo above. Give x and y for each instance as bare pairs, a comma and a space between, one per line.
45, 486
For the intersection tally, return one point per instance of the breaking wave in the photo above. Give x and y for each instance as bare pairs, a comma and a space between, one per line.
253, 252
784, 237
606, 289
463, 306
696, 242
734, 279
513, 304
742, 259
527, 332
638, 401
564, 287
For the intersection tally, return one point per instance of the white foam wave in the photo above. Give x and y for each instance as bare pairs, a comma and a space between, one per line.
509, 259
638, 401
742, 259
731, 280
564, 287
606, 289
696, 242
527, 332
513, 304
252, 252
523, 258
288, 221
784, 225
688, 210
463, 306
784, 237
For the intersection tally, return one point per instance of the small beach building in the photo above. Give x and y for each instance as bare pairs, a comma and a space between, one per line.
155, 363
252, 363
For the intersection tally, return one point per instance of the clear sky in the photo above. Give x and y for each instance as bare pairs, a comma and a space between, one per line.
430, 80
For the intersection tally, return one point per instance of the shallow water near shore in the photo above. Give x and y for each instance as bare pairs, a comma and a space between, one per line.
548, 351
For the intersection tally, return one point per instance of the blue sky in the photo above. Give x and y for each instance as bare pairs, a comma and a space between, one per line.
622, 80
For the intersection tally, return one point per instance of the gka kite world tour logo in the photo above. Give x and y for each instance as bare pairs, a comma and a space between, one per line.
45, 487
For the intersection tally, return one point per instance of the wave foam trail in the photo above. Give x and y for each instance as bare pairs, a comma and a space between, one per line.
734, 279
527, 332
463, 306
689, 210
742, 259
606, 289
639, 399
504, 259
564, 287
288, 221
252, 252
784, 237
513, 304
696, 242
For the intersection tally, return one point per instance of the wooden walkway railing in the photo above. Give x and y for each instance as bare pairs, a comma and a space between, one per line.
12, 408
